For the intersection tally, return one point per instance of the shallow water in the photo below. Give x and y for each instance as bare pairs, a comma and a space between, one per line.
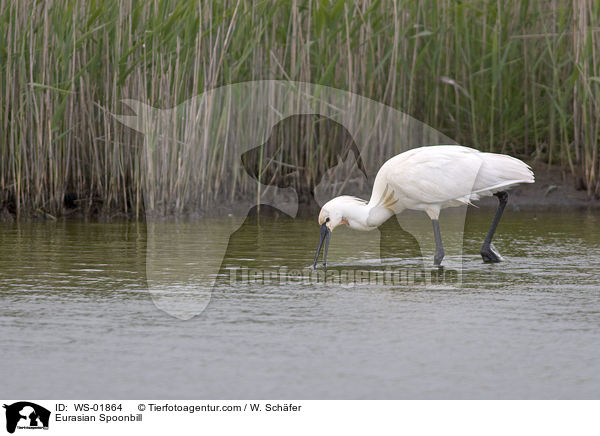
79, 319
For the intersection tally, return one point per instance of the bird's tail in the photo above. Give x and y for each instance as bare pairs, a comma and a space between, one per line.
499, 172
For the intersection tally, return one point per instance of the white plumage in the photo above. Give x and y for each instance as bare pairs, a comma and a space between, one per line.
431, 179
436, 177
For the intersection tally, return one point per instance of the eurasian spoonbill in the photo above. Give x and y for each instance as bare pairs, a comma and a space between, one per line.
428, 179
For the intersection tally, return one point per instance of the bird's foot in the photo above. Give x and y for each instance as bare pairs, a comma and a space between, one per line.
490, 255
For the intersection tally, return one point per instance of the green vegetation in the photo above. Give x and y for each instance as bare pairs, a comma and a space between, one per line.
517, 77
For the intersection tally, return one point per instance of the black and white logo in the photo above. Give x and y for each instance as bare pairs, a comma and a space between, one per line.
26, 415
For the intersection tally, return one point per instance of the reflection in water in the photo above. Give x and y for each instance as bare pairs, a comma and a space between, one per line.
81, 257
395, 241
289, 243
74, 304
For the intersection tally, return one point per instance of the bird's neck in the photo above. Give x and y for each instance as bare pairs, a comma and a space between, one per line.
364, 216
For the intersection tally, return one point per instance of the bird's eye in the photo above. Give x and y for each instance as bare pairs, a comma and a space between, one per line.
327, 220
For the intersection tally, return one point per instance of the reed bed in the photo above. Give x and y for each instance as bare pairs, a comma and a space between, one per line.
516, 77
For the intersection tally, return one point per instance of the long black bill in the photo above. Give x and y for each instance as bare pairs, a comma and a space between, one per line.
325, 236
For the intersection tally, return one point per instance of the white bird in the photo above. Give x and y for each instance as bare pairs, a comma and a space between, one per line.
429, 179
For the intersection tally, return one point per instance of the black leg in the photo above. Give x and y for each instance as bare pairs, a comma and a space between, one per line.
439, 248
488, 252
325, 250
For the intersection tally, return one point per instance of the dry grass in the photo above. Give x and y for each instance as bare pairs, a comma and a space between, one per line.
517, 77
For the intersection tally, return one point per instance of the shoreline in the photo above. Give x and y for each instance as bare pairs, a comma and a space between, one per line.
554, 188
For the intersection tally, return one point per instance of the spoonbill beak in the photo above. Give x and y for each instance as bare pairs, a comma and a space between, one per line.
325, 236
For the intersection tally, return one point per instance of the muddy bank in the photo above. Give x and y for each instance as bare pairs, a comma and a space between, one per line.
554, 188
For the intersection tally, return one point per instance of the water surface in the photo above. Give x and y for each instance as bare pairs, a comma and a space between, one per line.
78, 319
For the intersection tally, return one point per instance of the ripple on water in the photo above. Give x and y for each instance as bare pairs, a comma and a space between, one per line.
75, 303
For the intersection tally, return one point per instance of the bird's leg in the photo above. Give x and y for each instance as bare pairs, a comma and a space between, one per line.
488, 252
439, 247
325, 235
327, 238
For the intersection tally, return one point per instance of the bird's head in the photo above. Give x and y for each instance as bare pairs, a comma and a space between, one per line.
333, 214
331, 217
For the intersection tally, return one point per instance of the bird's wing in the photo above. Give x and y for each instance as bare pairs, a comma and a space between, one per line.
435, 175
